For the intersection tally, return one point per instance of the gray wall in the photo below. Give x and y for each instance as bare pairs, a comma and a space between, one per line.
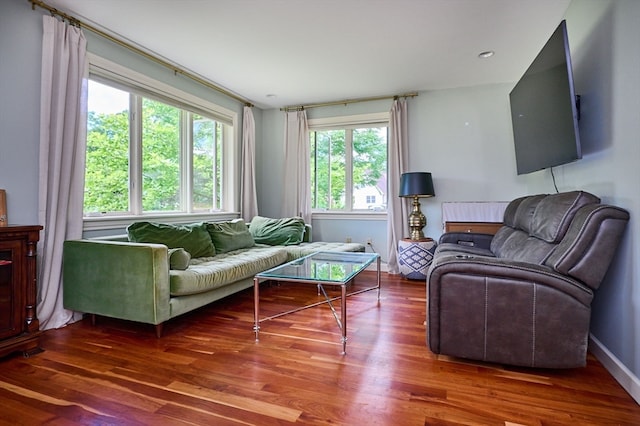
604, 38
20, 63
463, 136
20, 58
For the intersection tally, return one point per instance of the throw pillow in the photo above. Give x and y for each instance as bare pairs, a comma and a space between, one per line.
286, 231
179, 259
228, 236
194, 238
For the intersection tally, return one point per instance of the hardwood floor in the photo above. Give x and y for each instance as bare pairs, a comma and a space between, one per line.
207, 369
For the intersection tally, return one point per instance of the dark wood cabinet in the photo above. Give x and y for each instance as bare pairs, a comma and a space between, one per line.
19, 326
473, 227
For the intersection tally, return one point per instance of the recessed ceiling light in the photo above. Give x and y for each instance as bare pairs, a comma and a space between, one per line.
486, 54
271, 95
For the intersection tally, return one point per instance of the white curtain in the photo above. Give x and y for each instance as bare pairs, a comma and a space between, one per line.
62, 160
297, 177
249, 199
397, 209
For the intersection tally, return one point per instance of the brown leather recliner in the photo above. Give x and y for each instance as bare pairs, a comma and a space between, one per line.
523, 297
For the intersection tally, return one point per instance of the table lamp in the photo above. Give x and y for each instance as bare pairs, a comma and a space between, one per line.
416, 185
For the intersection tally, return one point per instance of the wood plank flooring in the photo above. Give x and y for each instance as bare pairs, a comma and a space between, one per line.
207, 369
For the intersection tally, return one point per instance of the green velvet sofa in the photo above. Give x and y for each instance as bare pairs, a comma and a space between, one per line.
153, 281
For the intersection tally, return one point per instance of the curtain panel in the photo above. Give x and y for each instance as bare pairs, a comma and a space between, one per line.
63, 113
397, 210
249, 199
297, 176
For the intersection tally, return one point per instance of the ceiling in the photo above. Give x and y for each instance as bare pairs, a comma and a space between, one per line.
277, 53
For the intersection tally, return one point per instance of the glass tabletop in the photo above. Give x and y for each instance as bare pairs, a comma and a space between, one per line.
322, 267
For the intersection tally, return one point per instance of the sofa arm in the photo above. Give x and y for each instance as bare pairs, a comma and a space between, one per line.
468, 239
503, 311
117, 279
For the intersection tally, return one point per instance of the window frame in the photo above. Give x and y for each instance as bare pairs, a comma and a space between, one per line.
353, 122
118, 76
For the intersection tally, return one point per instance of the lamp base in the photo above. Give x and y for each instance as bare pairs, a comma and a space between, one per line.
417, 221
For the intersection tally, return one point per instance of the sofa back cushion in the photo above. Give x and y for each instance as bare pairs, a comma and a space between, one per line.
553, 214
534, 225
231, 235
516, 244
514, 240
524, 213
194, 238
284, 231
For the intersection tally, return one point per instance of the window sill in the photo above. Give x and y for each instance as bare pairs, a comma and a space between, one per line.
99, 223
335, 215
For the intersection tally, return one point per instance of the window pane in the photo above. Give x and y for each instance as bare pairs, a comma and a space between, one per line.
204, 162
160, 156
107, 162
328, 174
221, 132
370, 168
143, 154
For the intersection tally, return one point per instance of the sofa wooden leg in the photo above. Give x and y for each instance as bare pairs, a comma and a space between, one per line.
93, 319
159, 330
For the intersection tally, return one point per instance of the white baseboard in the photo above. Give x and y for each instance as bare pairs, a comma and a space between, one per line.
618, 370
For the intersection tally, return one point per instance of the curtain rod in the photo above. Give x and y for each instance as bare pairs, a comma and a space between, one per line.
347, 101
175, 69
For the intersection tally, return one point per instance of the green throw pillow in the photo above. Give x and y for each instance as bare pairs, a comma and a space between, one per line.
194, 238
179, 259
228, 236
286, 231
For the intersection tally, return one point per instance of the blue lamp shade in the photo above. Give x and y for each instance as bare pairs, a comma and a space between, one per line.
416, 184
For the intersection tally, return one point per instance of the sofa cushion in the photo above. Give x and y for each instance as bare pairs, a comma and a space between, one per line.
194, 238
510, 211
285, 231
518, 245
208, 273
179, 258
303, 249
554, 213
229, 236
525, 211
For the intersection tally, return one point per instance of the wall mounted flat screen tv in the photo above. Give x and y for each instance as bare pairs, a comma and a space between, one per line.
544, 109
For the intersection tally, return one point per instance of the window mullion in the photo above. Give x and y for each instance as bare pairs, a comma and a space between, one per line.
348, 179
186, 161
135, 154
219, 191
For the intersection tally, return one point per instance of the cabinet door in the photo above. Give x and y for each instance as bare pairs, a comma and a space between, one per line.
11, 294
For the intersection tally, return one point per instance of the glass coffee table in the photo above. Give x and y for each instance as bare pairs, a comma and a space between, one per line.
324, 268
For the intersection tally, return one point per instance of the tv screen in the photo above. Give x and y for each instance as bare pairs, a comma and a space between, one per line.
544, 111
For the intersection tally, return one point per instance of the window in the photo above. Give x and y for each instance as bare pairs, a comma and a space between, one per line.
150, 154
349, 165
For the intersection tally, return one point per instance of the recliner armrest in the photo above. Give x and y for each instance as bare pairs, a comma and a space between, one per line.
468, 239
